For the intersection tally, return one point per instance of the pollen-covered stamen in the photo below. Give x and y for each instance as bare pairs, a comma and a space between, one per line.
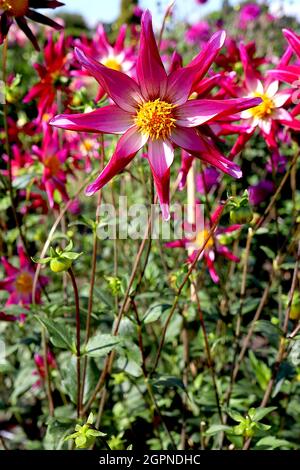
14, 7
112, 63
24, 283
265, 109
201, 238
52, 164
155, 119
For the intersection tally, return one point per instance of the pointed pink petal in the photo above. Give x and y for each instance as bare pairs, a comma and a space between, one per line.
9, 268
281, 97
24, 263
196, 112
121, 88
180, 84
285, 74
181, 81
119, 45
293, 40
160, 156
272, 88
175, 244
151, 74
186, 163
207, 84
200, 146
102, 39
209, 259
282, 114
293, 124
265, 125
285, 59
208, 54
216, 214
249, 70
224, 251
109, 119
129, 144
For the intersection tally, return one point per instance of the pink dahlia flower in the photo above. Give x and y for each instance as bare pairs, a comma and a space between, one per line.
155, 110
52, 158
249, 12
40, 367
19, 281
193, 242
198, 32
20, 11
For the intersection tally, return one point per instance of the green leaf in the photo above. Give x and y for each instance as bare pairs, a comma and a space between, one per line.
154, 312
71, 255
101, 345
95, 433
21, 182
271, 442
268, 329
90, 419
69, 246
216, 428
5, 203
59, 334
56, 433
270, 254
23, 382
236, 416
262, 371
41, 260
169, 382
262, 427
69, 378
260, 413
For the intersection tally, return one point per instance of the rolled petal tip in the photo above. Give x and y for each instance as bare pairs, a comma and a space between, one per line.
165, 212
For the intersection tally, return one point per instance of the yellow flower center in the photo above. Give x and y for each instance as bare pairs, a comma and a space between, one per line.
24, 283
265, 109
155, 119
202, 237
14, 7
112, 63
53, 164
87, 145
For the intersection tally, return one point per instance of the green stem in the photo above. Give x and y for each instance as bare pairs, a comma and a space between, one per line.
77, 311
177, 296
93, 278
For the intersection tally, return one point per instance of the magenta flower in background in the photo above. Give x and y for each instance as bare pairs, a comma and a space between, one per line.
114, 56
155, 110
208, 180
260, 192
20, 10
277, 162
268, 117
138, 12
52, 158
40, 367
50, 73
248, 13
198, 33
19, 281
194, 242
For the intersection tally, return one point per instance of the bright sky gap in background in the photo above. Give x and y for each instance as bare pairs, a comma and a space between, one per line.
107, 11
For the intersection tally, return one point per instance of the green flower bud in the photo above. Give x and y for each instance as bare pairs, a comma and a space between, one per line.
241, 215
85, 435
58, 265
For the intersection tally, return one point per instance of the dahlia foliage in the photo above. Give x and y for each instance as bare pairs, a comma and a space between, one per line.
168, 300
